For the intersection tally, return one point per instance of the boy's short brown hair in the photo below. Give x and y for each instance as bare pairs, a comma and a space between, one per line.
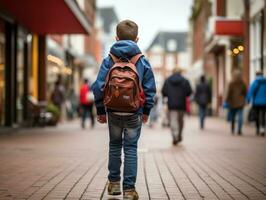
127, 30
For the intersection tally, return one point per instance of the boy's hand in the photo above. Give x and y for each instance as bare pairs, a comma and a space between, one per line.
101, 119
145, 118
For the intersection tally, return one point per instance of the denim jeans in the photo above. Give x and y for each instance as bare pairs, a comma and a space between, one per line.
260, 119
239, 113
202, 115
177, 124
87, 110
124, 131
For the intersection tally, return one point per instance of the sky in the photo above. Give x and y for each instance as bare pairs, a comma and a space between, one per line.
152, 15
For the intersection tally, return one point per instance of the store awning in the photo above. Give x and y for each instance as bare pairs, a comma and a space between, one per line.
48, 16
229, 27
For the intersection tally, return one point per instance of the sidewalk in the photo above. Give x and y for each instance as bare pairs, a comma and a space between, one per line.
69, 163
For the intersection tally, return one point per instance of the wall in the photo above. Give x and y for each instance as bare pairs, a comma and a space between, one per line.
234, 9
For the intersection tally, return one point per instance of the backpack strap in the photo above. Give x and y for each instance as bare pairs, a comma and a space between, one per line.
114, 58
135, 58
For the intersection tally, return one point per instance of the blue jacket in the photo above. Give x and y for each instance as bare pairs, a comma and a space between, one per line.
126, 49
260, 99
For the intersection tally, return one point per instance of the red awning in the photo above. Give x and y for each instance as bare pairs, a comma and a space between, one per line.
48, 16
229, 27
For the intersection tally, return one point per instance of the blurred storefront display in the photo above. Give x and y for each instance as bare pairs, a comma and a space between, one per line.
27, 63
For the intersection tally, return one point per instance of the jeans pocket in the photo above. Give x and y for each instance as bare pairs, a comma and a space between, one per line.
134, 121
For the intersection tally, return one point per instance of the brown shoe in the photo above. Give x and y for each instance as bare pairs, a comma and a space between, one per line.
130, 195
114, 188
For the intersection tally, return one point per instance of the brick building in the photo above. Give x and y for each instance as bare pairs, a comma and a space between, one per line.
227, 35
167, 51
217, 31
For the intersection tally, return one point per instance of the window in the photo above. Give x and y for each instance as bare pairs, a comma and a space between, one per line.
172, 45
170, 62
255, 44
156, 60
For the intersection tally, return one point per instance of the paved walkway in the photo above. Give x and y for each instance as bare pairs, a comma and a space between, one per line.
69, 163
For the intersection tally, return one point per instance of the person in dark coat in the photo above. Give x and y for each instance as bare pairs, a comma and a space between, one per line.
236, 100
202, 98
57, 96
176, 88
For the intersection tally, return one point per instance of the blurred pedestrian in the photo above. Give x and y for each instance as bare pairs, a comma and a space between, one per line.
202, 98
86, 103
236, 100
257, 97
176, 88
154, 112
57, 96
71, 104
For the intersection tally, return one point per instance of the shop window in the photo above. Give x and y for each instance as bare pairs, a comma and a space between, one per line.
2, 73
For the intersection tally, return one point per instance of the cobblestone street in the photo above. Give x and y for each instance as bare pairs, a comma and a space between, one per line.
69, 163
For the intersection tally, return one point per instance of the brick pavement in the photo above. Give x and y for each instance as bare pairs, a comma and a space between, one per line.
69, 163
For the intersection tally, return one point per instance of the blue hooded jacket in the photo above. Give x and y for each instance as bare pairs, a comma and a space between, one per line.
258, 84
125, 49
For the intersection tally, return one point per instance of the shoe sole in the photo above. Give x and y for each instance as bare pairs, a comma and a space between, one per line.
115, 193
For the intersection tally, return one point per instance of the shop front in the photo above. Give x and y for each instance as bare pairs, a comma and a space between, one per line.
2, 72
23, 52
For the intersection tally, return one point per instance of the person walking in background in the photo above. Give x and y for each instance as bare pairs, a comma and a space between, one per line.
236, 100
257, 97
154, 112
57, 96
86, 103
72, 103
176, 88
202, 98
127, 95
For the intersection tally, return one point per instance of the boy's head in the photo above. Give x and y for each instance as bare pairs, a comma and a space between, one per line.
127, 30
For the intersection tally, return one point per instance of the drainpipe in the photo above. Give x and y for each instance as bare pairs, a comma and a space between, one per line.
246, 42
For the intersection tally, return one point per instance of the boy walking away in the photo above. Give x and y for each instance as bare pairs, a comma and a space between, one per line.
202, 98
125, 89
176, 88
257, 96
236, 100
86, 103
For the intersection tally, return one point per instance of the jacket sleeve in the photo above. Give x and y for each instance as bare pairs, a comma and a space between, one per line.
149, 87
188, 88
196, 95
98, 86
164, 89
244, 90
228, 96
250, 94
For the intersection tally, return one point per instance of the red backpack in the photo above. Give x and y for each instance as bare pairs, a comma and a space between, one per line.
123, 90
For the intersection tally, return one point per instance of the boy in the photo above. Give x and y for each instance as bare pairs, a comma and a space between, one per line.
124, 127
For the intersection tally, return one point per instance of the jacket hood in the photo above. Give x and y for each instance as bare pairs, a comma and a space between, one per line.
176, 79
125, 49
261, 79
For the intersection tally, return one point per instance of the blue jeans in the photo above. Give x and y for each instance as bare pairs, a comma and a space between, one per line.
87, 110
124, 131
202, 115
239, 113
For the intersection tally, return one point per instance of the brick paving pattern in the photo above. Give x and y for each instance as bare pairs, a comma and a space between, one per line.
69, 163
